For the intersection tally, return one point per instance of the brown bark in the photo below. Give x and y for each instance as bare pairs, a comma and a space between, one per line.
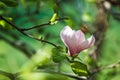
101, 26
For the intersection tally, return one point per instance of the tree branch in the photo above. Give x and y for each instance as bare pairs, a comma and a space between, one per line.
21, 31
42, 25
21, 46
34, 27
111, 66
64, 74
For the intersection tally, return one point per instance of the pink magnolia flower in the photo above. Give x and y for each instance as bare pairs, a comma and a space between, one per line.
75, 40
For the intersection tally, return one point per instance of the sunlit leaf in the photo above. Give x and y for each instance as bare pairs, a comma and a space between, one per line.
58, 54
91, 0
79, 68
40, 59
70, 22
53, 19
5, 25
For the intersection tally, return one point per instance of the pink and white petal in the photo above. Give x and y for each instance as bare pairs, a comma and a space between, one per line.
91, 40
64, 33
71, 43
86, 44
83, 46
68, 37
80, 36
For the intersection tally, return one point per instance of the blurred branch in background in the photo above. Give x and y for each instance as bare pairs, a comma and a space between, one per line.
9, 75
111, 7
111, 66
95, 71
21, 46
65, 74
114, 2
101, 25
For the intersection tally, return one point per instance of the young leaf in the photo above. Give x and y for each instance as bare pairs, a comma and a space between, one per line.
79, 68
53, 19
57, 54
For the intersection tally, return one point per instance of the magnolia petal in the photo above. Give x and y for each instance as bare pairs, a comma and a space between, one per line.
68, 37
91, 40
71, 44
86, 44
64, 34
75, 40
80, 37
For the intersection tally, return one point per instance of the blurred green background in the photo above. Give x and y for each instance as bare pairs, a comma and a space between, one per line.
28, 13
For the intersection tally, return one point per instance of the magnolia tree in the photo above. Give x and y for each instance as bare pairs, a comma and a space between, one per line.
49, 61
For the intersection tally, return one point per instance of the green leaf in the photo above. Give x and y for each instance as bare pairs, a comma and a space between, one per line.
53, 19
10, 3
90, 61
70, 22
5, 25
58, 54
79, 68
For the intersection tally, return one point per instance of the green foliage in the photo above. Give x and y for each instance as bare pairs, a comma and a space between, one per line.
40, 59
5, 25
110, 52
58, 54
2, 77
10, 3
41, 76
28, 14
53, 19
70, 22
79, 68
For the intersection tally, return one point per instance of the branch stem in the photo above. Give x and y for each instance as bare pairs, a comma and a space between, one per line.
64, 74
111, 66
21, 31
42, 25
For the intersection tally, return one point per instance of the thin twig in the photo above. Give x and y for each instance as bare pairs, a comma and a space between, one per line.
21, 31
111, 66
64, 74
42, 25
34, 27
